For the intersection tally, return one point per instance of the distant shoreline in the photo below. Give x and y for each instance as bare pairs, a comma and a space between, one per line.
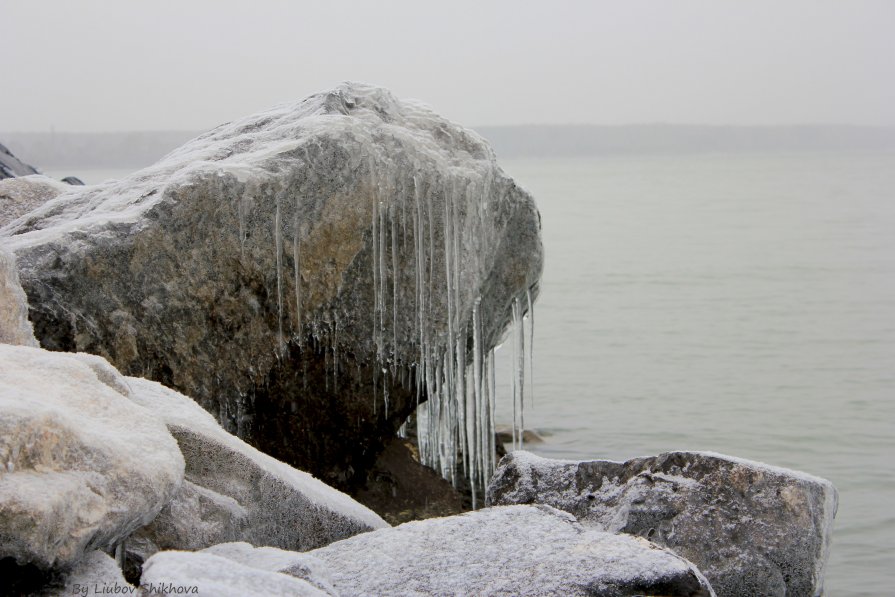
137, 149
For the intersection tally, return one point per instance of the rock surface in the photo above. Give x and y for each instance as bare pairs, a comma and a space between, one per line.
518, 550
11, 166
97, 574
18, 196
299, 565
303, 273
751, 528
14, 325
209, 575
82, 466
401, 489
233, 492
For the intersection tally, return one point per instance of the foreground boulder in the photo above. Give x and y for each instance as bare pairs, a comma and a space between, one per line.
233, 492
520, 550
82, 466
306, 273
14, 325
210, 575
751, 528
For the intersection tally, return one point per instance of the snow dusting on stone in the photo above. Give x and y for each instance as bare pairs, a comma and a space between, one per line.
521, 550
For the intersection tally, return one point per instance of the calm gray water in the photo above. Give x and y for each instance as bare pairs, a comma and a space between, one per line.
740, 304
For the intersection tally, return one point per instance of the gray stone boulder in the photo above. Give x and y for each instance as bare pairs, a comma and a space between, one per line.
81, 466
18, 196
306, 273
11, 166
14, 325
233, 492
752, 529
210, 575
517, 550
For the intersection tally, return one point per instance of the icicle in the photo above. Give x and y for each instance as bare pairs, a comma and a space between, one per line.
296, 259
278, 246
531, 345
394, 294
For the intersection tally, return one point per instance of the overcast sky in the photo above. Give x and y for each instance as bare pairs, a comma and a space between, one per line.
117, 65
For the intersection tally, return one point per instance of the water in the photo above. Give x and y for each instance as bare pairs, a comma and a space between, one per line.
740, 304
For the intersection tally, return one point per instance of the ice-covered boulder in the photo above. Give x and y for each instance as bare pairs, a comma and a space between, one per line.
210, 575
753, 529
303, 273
14, 325
517, 550
233, 492
18, 196
81, 466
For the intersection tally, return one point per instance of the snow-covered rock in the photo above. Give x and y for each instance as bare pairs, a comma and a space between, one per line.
300, 272
18, 196
753, 529
210, 575
95, 574
516, 550
233, 492
293, 563
14, 325
81, 466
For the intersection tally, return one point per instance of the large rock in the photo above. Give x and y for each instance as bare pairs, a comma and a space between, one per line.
82, 466
306, 273
11, 166
18, 196
518, 550
751, 528
233, 492
210, 575
299, 565
14, 325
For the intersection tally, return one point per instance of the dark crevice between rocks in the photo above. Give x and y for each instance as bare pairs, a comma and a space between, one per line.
19, 580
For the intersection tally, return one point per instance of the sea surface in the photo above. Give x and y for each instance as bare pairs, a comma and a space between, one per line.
742, 304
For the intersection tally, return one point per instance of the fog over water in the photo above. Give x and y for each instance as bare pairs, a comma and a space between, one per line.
105, 65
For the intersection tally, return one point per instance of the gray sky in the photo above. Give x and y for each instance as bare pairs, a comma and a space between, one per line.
166, 65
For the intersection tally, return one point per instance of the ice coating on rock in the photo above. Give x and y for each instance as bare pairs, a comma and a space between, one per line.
14, 325
331, 251
297, 564
98, 574
176, 572
518, 550
20, 195
752, 528
81, 466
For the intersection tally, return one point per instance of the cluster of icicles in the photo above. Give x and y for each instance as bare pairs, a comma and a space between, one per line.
455, 423
454, 378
